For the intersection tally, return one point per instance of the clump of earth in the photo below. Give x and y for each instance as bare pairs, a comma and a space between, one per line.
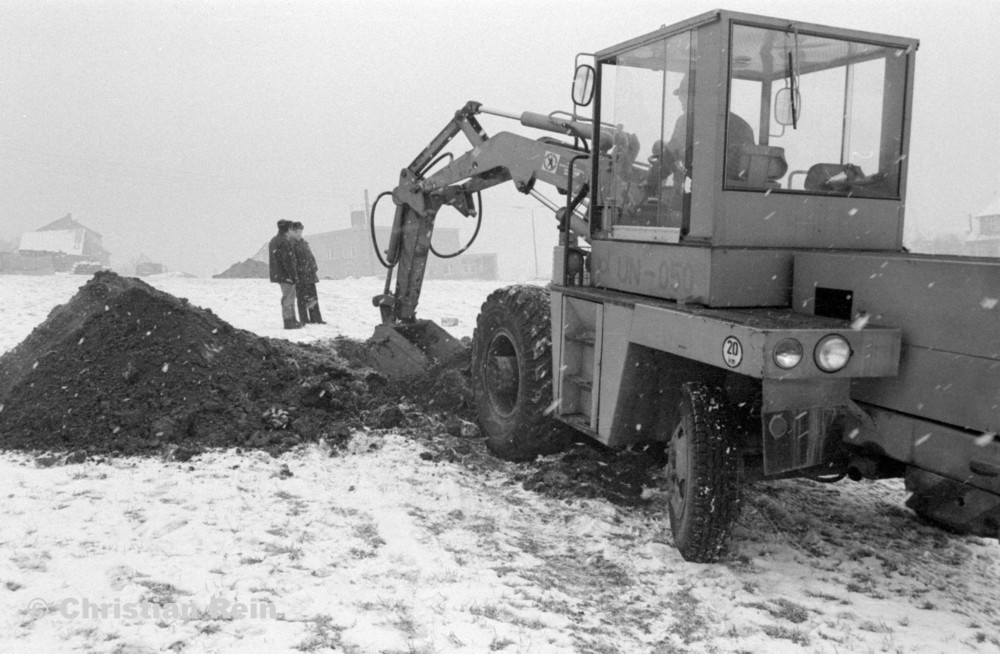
125, 369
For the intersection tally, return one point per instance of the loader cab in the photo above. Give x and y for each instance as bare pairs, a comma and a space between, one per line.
729, 140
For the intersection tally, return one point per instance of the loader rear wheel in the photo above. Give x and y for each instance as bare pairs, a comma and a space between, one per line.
702, 474
512, 374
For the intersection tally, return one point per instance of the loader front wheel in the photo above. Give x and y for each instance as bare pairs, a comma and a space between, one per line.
702, 474
512, 374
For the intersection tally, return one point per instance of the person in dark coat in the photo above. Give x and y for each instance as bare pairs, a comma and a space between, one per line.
284, 271
305, 288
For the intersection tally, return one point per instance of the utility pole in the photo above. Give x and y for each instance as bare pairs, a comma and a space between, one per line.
534, 243
534, 246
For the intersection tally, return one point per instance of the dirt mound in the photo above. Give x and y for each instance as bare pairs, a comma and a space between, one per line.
126, 369
249, 269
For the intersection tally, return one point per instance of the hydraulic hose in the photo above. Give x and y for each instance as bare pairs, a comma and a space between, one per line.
371, 224
387, 265
479, 223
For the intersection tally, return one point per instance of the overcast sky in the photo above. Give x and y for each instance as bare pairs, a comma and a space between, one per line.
184, 130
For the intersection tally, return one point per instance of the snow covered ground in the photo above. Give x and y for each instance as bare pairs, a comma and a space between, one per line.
379, 550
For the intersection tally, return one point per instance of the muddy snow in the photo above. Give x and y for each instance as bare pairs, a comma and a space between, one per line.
414, 539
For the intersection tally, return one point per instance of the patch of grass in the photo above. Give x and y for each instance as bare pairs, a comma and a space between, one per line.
490, 611
740, 563
483, 525
887, 642
795, 635
875, 627
604, 647
446, 577
823, 596
367, 533
159, 592
292, 550
32, 561
610, 573
782, 609
383, 604
323, 635
405, 622
788, 610
668, 647
87, 633
400, 614
982, 637
527, 623
504, 614
344, 511
864, 584
298, 505
862, 552
499, 643
688, 624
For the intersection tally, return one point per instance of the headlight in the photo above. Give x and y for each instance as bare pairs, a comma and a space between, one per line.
787, 353
832, 353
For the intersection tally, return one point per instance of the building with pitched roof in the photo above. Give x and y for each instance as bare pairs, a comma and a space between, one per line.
59, 246
984, 231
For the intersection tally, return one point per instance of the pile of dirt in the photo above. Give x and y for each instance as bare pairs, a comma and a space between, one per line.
249, 269
126, 369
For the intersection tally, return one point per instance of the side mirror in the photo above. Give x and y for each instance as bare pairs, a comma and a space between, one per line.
583, 85
787, 107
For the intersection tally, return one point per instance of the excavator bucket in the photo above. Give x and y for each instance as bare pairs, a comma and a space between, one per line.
410, 349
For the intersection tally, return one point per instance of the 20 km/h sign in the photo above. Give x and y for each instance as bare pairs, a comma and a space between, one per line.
732, 351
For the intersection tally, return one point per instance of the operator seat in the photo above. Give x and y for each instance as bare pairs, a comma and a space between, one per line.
748, 164
762, 165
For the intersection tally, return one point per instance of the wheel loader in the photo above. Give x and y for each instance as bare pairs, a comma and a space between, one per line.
730, 280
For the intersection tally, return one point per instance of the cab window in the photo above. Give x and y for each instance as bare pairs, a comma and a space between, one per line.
646, 137
814, 115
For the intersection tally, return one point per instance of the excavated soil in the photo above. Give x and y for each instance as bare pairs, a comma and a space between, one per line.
125, 369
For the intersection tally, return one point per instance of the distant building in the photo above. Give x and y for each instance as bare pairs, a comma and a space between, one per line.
981, 240
59, 246
349, 253
146, 268
984, 231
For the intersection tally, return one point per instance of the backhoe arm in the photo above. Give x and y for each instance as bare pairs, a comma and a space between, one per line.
491, 161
